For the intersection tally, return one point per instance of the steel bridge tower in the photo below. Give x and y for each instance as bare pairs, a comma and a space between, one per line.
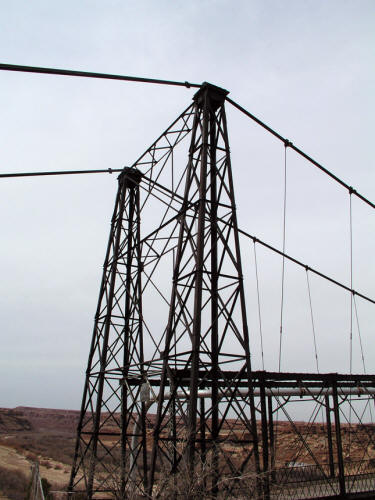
180, 412
206, 354
205, 359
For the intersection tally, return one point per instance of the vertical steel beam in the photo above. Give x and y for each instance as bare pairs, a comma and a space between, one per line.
340, 461
103, 359
272, 437
329, 438
125, 364
198, 286
203, 446
214, 306
263, 408
143, 374
132, 299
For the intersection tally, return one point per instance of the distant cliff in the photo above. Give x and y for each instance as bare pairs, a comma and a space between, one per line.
25, 418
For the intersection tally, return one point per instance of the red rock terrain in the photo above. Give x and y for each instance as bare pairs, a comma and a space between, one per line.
48, 436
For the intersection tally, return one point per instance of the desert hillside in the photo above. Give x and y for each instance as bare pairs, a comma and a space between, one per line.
47, 436
35, 434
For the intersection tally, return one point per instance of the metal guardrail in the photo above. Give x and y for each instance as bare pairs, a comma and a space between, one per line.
312, 481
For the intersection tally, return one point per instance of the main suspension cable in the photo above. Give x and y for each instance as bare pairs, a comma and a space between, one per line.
254, 238
90, 74
62, 172
300, 152
308, 268
109, 76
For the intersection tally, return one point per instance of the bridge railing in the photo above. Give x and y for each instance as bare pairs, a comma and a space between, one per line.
309, 481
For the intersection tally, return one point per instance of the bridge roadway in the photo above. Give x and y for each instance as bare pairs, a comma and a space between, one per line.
361, 486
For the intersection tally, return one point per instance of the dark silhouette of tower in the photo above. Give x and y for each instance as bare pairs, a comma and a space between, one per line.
109, 403
206, 358
201, 376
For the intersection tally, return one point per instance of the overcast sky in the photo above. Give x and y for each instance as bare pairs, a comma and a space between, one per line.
305, 67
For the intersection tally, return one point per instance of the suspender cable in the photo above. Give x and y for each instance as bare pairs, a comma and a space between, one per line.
90, 74
283, 262
301, 153
282, 288
351, 310
259, 313
312, 320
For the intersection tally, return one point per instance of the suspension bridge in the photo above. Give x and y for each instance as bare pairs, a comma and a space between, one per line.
172, 406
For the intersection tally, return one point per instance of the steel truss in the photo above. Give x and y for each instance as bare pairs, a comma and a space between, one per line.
175, 411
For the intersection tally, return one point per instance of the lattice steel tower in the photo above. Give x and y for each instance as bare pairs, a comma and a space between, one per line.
200, 375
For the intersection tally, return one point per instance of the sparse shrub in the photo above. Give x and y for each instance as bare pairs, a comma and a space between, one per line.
46, 463
58, 446
32, 457
13, 484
